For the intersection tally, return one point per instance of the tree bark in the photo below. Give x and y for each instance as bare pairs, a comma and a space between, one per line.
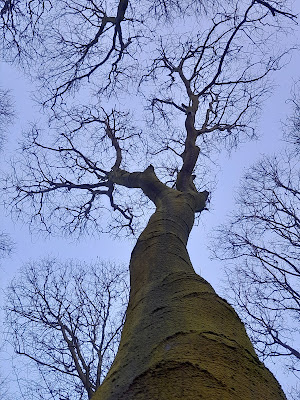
180, 339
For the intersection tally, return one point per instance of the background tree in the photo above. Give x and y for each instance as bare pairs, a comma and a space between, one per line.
5, 244
200, 82
4, 388
292, 127
65, 320
263, 240
6, 115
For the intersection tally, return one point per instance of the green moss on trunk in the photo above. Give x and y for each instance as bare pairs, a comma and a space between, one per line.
180, 340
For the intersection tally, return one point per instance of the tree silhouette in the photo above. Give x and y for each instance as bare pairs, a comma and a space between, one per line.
65, 319
262, 238
6, 116
166, 83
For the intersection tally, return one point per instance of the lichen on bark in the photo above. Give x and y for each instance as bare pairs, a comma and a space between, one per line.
180, 339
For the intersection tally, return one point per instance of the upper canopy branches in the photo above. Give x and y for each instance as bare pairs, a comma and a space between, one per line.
108, 42
161, 57
78, 39
216, 66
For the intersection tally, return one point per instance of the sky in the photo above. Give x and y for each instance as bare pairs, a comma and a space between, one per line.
32, 246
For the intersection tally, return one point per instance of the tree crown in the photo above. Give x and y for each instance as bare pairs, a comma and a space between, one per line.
163, 82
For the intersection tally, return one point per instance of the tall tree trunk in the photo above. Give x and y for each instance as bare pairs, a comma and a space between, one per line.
180, 339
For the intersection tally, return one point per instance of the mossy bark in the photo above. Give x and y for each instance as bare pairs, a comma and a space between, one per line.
180, 339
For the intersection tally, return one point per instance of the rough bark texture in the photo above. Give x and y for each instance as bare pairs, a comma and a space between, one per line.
180, 340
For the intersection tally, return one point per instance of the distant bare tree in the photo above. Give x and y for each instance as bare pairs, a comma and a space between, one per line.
65, 320
292, 127
6, 115
263, 240
3, 387
6, 244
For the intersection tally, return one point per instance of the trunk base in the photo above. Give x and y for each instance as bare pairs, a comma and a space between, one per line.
181, 341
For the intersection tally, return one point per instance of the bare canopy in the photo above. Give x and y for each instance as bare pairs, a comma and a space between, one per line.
137, 94
146, 68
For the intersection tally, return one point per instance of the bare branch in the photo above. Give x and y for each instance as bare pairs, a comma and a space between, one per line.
65, 320
208, 85
263, 237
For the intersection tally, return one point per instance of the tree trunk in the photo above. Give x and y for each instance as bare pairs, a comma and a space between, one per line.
180, 339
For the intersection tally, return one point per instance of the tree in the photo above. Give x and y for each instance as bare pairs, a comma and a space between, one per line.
263, 240
6, 244
6, 115
6, 112
3, 388
200, 81
65, 319
292, 127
